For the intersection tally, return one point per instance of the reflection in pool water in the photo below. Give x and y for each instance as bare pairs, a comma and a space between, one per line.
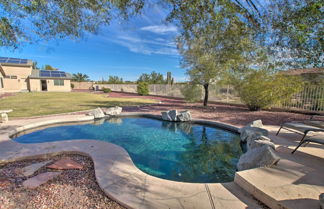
175, 151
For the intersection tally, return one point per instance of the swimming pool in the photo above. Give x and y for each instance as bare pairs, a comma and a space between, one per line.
170, 150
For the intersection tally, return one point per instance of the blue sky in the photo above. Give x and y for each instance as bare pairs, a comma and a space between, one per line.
124, 48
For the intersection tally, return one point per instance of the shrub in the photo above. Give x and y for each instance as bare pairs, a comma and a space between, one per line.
191, 92
143, 88
261, 89
72, 85
106, 90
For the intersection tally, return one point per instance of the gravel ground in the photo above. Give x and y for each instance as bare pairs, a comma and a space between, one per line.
235, 115
71, 189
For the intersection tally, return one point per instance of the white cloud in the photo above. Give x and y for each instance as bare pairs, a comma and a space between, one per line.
160, 41
138, 47
160, 29
144, 46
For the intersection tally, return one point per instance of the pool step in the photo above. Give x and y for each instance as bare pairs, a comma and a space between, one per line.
288, 185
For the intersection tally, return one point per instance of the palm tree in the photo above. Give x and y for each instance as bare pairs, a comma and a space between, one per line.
80, 77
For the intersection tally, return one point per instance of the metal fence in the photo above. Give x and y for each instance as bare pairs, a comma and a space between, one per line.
311, 98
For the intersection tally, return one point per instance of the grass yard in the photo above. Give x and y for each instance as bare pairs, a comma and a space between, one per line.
45, 103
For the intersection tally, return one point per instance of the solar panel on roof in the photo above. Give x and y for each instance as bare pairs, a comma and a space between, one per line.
44, 73
3, 59
13, 60
55, 74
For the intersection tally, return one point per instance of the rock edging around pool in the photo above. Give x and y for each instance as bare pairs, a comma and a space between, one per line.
119, 178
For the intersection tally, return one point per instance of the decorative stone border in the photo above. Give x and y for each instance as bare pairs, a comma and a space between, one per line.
194, 121
117, 175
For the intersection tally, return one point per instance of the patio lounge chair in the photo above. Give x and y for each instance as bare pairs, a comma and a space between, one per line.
301, 127
319, 139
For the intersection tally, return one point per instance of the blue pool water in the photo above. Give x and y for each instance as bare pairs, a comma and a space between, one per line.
175, 151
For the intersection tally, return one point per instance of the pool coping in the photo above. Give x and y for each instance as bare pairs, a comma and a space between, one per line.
214, 124
116, 173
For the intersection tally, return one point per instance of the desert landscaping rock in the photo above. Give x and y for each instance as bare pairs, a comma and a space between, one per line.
258, 143
263, 156
97, 113
166, 116
173, 115
254, 143
184, 116
255, 123
252, 133
40, 179
71, 189
113, 110
64, 164
31, 169
260, 149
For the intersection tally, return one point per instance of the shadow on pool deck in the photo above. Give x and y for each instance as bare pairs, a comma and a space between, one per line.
296, 182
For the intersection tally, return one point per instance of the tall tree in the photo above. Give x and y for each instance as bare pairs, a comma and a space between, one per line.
35, 65
156, 78
115, 80
79, 77
48, 67
152, 78
144, 77
296, 31
213, 42
27, 21
290, 30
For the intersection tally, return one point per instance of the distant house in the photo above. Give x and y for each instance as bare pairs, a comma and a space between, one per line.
311, 75
18, 75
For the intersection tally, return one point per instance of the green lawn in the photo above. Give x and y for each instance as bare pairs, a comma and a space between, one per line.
35, 104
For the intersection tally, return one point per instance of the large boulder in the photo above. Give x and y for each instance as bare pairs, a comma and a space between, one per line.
255, 124
173, 115
252, 133
262, 156
97, 113
113, 110
260, 142
260, 149
184, 116
166, 116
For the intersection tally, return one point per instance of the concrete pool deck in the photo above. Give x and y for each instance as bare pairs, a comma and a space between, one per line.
295, 183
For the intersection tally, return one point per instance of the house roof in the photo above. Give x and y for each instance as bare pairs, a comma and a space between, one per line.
2, 71
304, 71
15, 61
52, 74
